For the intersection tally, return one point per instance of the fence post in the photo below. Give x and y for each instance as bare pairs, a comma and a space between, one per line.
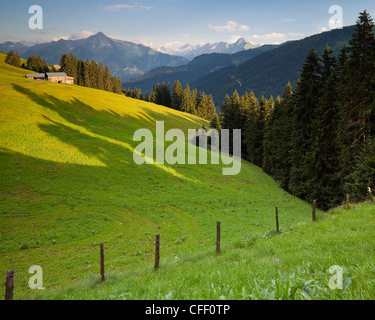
370, 194
277, 220
218, 235
347, 202
157, 252
9, 286
102, 261
314, 211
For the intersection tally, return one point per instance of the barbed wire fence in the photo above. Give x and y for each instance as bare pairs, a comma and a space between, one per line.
97, 265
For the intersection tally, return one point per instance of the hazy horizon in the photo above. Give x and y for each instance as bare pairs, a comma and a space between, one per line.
194, 22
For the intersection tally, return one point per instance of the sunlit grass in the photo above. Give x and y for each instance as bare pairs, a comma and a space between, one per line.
289, 266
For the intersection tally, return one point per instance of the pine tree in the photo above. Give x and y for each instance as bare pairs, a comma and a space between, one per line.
177, 95
277, 139
93, 75
146, 97
321, 161
215, 122
248, 122
165, 95
226, 113
13, 59
156, 94
64, 64
205, 107
86, 73
107, 79
186, 103
306, 101
364, 174
356, 95
80, 73
194, 101
72, 66
100, 76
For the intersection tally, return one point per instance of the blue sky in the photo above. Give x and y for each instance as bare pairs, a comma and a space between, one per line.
172, 22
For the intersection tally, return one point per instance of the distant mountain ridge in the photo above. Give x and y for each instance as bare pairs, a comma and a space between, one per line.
268, 73
15, 46
191, 51
126, 59
199, 67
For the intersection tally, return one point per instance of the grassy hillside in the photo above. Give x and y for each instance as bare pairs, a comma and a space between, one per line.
69, 182
291, 266
12, 75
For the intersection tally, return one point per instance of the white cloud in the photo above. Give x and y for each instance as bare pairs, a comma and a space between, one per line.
60, 38
296, 34
75, 36
323, 29
118, 7
230, 26
81, 35
234, 38
169, 47
275, 38
144, 42
268, 36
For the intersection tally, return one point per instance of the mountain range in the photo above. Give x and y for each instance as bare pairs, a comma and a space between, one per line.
126, 59
191, 51
268, 73
199, 67
15, 46
265, 70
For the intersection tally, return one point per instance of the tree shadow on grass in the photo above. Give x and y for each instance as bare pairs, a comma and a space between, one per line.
105, 135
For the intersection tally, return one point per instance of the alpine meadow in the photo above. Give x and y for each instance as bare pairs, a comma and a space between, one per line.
88, 211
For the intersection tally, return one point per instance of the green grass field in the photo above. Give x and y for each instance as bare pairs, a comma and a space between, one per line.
69, 182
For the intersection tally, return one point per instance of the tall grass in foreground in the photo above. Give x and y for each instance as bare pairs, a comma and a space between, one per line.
291, 266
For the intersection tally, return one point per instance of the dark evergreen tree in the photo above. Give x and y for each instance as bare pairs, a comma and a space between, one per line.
277, 139
356, 95
100, 76
215, 122
86, 73
13, 59
146, 97
186, 103
321, 161
306, 101
176, 95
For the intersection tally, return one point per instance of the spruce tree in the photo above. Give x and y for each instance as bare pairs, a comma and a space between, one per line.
100, 76
306, 101
93, 75
215, 122
86, 73
251, 129
176, 95
321, 161
356, 95
64, 64
186, 103
107, 79
13, 59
